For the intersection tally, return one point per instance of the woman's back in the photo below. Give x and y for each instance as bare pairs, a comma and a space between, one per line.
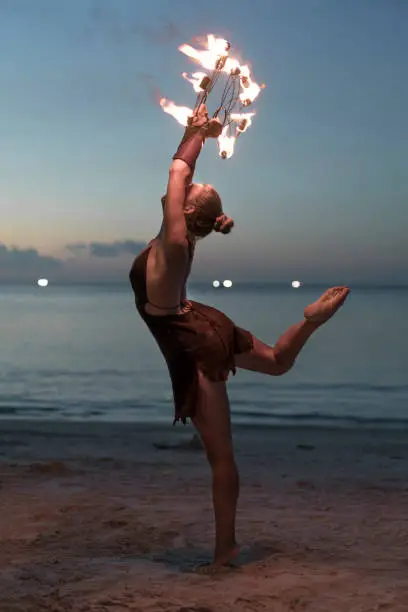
137, 277
155, 292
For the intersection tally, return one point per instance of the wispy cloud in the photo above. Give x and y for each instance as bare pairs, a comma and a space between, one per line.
107, 249
18, 263
88, 261
21, 258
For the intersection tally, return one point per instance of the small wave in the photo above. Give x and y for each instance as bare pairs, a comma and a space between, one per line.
324, 387
7, 410
316, 416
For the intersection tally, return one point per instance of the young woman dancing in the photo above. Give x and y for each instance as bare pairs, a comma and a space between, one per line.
200, 344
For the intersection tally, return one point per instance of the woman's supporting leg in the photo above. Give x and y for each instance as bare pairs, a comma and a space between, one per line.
213, 420
213, 424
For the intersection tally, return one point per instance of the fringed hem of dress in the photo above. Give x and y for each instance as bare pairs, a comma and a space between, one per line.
185, 393
201, 339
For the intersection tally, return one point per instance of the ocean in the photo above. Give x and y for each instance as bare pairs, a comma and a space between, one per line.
83, 353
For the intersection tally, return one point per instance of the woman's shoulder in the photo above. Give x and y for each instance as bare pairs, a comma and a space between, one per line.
159, 243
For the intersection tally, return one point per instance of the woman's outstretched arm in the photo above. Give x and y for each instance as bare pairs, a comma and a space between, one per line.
174, 224
181, 171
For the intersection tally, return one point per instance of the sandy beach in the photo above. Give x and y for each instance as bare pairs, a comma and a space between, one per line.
109, 517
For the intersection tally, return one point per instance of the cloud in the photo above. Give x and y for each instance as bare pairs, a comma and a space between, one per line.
76, 247
26, 258
18, 263
88, 261
107, 249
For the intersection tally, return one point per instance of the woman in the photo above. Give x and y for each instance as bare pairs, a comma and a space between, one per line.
200, 344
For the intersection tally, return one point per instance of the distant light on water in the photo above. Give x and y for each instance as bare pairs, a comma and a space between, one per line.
227, 283
42, 282
296, 284
216, 283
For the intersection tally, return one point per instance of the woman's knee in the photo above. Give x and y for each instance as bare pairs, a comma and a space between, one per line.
220, 452
264, 359
282, 364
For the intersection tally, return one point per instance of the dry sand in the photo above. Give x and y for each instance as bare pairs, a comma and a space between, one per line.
95, 517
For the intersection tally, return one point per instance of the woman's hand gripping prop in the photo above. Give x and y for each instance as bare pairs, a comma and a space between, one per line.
199, 127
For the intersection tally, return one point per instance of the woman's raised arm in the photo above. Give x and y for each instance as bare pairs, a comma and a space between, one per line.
180, 174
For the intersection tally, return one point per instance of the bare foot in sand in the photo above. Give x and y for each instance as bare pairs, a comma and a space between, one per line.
222, 561
325, 307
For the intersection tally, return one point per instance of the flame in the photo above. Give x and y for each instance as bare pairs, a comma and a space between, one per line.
195, 79
231, 66
180, 113
217, 45
250, 89
217, 48
226, 144
216, 57
244, 120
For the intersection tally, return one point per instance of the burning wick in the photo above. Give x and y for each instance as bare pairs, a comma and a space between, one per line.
205, 82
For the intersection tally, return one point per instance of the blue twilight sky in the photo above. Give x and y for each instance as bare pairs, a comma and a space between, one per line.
318, 186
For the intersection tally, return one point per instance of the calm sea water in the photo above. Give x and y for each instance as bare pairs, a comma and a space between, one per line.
83, 353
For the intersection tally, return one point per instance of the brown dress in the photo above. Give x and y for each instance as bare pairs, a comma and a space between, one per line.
200, 338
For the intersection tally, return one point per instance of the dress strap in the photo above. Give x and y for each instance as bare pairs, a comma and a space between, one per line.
163, 307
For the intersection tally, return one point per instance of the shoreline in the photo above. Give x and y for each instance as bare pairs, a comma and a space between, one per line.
298, 424
22, 439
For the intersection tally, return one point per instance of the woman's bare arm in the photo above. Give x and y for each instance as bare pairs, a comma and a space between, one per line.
181, 171
174, 223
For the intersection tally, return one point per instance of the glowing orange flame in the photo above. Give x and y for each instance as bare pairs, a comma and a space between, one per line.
195, 79
180, 113
226, 144
243, 120
232, 66
216, 57
217, 47
250, 89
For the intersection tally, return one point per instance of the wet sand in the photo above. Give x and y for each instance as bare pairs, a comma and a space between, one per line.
112, 518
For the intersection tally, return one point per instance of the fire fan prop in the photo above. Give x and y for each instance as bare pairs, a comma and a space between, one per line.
239, 91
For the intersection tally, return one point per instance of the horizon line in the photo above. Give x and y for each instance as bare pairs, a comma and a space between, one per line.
208, 283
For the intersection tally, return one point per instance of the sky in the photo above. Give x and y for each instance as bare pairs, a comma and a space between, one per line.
318, 186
